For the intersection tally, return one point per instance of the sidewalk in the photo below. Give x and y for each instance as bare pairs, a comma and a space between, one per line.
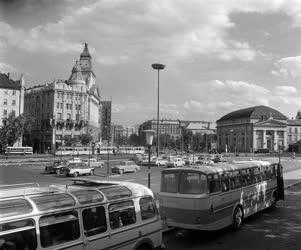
292, 178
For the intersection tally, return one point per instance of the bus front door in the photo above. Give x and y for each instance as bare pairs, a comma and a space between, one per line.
280, 182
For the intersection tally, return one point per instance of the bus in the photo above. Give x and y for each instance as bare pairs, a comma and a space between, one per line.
131, 150
18, 151
89, 214
214, 197
107, 150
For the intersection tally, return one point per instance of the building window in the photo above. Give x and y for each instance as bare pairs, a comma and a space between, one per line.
13, 112
59, 116
4, 112
5, 92
57, 105
5, 102
67, 105
14, 92
290, 130
77, 117
296, 130
70, 106
61, 105
69, 116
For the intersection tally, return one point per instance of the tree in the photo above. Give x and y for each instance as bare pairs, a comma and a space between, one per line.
85, 138
13, 128
135, 140
70, 141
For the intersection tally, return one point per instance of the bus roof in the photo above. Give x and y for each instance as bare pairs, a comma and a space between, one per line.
16, 200
221, 167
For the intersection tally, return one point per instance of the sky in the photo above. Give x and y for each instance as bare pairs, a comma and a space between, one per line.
220, 56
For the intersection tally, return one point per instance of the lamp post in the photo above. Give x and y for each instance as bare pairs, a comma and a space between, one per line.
149, 141
158, 67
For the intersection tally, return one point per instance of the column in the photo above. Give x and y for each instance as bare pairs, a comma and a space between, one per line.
284, 139
254, 140
264, 139
275, 141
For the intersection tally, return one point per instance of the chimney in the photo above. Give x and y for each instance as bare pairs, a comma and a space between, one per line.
8, 75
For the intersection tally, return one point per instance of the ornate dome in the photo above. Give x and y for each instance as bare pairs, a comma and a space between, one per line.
76, 75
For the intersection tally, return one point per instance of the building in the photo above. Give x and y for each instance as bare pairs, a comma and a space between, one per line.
106, 114
11, 98
249, 129
120, 134
64, 108
166, 126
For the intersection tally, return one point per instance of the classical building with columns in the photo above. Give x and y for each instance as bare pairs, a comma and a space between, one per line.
64, 107
250, 129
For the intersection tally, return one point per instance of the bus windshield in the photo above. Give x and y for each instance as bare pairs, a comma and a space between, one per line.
185, 182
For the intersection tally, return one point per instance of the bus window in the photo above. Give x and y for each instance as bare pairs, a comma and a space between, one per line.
257, 175
59, 228
272, 170
214, 183
147, 208
14, 207
169, 182
251, 179
24, 238
245, 177
94, 220
193, 183
122, 214
225, 182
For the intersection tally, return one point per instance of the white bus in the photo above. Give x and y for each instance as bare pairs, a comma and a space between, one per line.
90, 214
18, 151
213, 197
131, 150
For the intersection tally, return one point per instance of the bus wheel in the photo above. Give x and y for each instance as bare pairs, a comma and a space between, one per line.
237, 218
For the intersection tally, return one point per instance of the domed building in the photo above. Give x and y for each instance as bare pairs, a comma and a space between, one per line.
250, 129
64, 108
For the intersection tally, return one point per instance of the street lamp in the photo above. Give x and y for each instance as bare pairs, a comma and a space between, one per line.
149, 141
158, 67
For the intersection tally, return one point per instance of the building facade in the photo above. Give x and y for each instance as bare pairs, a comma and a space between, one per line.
11, 98
106, 114
250, 129
64, 108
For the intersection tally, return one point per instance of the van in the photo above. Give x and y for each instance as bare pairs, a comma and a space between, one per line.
89, 214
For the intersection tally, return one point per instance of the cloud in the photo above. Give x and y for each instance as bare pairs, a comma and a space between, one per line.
285, 90
288, 67
5, 68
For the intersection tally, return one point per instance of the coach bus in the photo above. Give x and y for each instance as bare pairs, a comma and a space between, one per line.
131, 150
18, 151
90, 214
213, 197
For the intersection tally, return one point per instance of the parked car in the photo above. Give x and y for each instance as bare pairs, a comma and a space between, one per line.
262, 151
79, 168
125, 166
175, 162
158, 161
94, 163
55, 167
218, 158
144, 161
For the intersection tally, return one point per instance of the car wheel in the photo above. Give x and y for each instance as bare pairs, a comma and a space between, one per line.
121, 171
76, 174
237, 218
58, 171
92, 172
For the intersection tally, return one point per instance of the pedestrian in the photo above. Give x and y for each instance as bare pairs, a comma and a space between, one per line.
294, 155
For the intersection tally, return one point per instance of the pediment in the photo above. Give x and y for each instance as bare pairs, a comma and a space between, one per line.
270, 123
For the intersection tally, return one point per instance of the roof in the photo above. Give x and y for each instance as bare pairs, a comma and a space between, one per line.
7, 83
85, 52
220, 167
256, 112
296, 122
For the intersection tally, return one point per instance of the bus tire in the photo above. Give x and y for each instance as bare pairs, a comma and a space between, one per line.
237, 217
